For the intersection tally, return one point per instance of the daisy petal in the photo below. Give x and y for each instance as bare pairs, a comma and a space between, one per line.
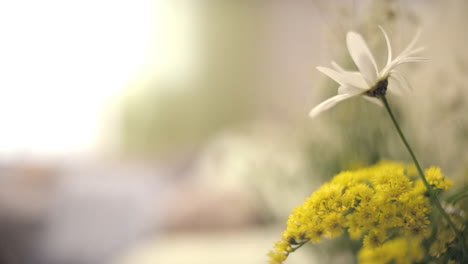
401, 80
389, 46
413, 59
416, 50
336, 76
373, 100
329, 103
362, 57
346, 89
399, 61
344, 78
337, 67
412, 43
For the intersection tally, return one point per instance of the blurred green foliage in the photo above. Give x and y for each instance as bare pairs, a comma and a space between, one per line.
166, 118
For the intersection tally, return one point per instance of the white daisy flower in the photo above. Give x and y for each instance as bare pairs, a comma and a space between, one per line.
368, 81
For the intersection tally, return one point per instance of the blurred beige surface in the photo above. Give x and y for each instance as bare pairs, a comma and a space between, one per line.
246, 246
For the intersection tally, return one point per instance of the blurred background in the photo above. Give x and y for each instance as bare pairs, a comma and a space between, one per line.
157, 131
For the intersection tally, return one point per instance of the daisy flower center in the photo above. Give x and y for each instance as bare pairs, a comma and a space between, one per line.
379, 89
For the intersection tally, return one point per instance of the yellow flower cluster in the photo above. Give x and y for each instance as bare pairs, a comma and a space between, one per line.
439, 246
376, 203
444, 236
399, 251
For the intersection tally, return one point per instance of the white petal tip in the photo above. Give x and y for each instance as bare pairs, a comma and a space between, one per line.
329, 103
352, 34
313, 114
316, 111
322, 69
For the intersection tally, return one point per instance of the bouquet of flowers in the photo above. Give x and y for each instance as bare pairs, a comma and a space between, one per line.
399, 213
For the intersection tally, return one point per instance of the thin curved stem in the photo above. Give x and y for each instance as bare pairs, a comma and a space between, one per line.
429, 188
405, 142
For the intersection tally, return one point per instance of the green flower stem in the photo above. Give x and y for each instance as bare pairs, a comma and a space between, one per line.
298, 246
429, 188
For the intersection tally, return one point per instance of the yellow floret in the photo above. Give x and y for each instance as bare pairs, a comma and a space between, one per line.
334, 223
374, 238
437, 248
435, 177
399, 250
